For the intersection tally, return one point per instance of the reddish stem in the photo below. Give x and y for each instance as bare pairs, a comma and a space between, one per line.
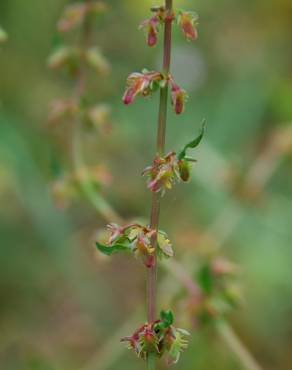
160, 149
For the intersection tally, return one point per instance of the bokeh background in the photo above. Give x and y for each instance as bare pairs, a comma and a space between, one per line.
65, 307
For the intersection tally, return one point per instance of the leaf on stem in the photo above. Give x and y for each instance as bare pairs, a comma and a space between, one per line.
112, 249
192, 144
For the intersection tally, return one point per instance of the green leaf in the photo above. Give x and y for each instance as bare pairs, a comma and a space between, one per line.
166, 318
192, 144
205, 279
111, 249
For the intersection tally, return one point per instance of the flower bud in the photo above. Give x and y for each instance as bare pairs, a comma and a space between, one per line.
151, 27
179, 97
188, 24
184, 170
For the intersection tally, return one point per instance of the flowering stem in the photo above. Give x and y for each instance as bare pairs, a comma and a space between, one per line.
155, 209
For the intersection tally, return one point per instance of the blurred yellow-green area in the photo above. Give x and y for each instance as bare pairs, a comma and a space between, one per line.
63, 306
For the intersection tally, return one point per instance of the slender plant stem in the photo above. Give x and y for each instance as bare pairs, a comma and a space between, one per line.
160, 148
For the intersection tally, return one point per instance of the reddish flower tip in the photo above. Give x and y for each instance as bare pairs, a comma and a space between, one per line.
128, 97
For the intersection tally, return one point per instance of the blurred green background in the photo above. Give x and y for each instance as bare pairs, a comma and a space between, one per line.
60, 302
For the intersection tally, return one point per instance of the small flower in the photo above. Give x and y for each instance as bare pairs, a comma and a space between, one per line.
140, 84
178, 96
134, 341
143, 247
188, 24
151, 27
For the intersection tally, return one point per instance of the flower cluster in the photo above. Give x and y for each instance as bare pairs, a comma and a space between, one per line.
147, 82
152, 25
137, 239
96, 116
70, 58
166, 171
187, 21
163, 173
142, 84
159, 337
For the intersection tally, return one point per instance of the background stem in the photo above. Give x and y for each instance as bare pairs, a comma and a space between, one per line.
160, 148
236, 346
87, 188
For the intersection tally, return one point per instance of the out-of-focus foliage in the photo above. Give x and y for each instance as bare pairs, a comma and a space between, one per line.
60, 302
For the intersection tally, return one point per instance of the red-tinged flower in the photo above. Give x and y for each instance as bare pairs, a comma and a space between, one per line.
140, 84
159, 337
143, 341
179, 97
134, 340
151, 26
188, 24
